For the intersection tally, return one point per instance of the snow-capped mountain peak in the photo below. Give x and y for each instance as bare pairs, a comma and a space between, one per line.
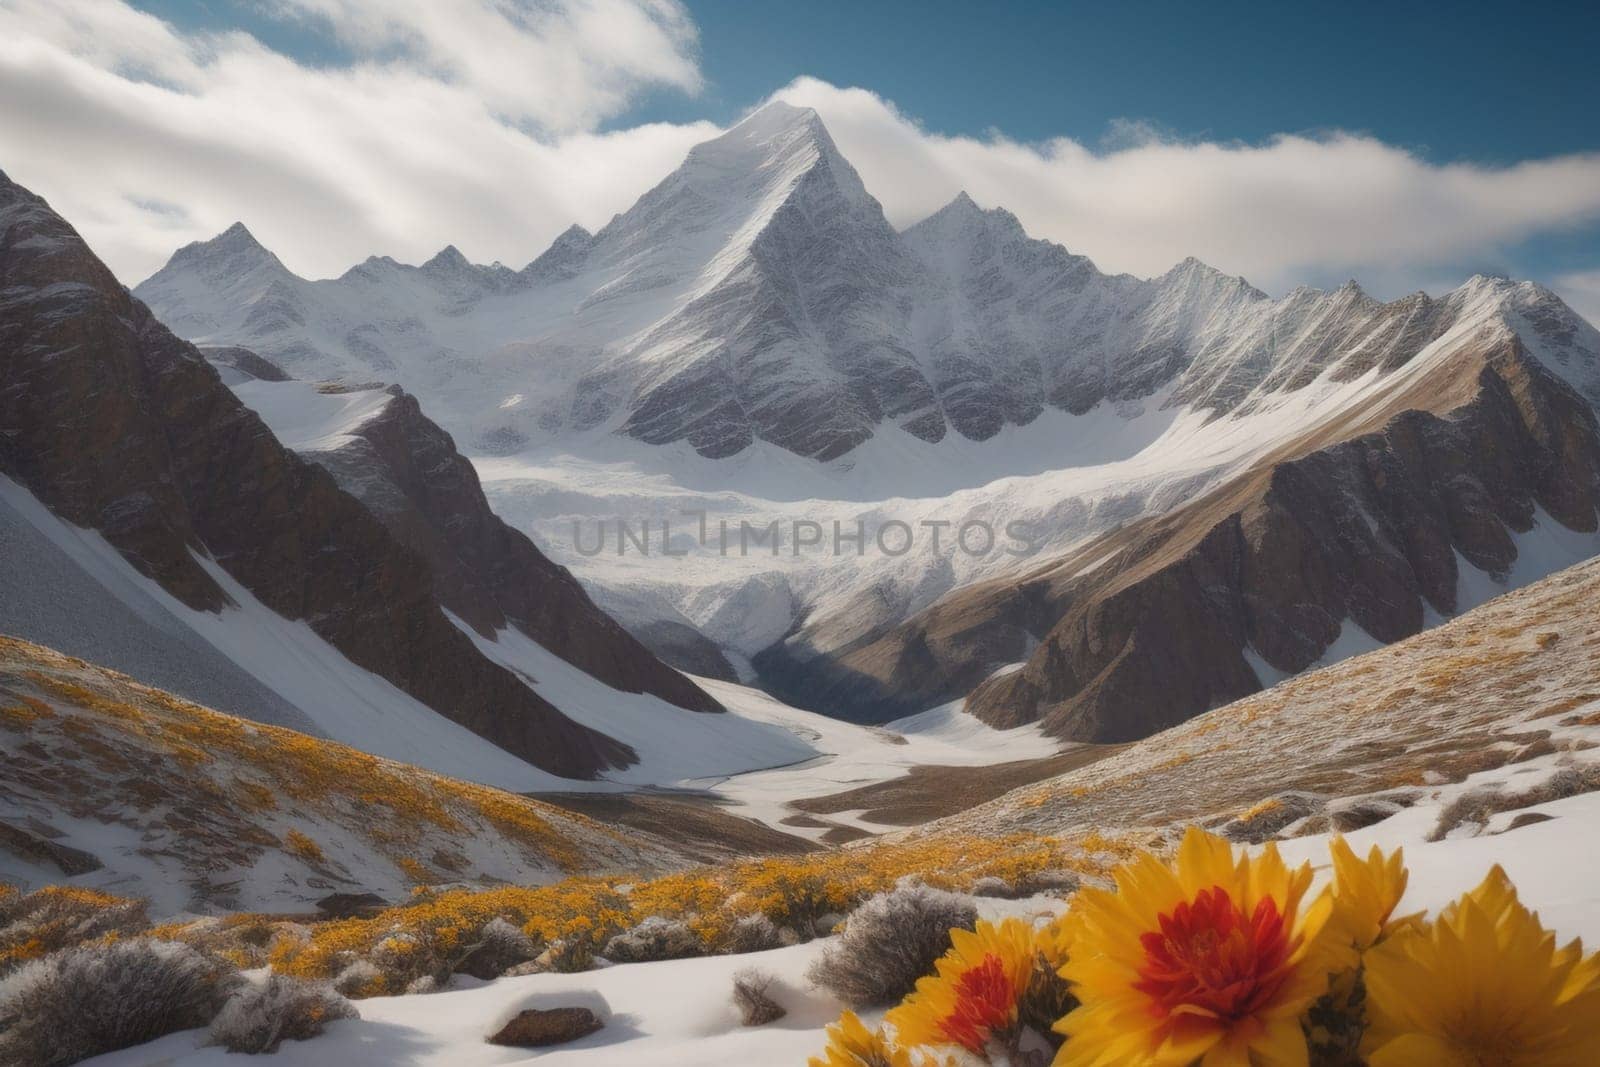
758, 293
231, 253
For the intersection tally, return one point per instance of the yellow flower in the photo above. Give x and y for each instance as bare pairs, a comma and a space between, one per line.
1366, 892
1484, 984
1213, 958
851, 1044
974, 992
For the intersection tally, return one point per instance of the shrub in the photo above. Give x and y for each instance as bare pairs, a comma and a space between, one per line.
1479, 805
1053, 881
301, 845
889, 942
752, 995
567, 956
654, 939
259, 1017
87, 1000
500, 947
360, 979
58, 917
753, 933
792, 893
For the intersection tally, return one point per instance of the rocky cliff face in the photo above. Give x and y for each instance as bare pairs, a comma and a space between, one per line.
409, 474
1156, 622
118, 426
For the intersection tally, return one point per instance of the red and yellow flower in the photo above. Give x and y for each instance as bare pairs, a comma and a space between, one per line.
1211, 959
973, 996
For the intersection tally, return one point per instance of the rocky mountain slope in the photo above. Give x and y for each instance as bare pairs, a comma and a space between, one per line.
1364, 531
382, 450
1220, 486
117, 786
119, 428
1494, 702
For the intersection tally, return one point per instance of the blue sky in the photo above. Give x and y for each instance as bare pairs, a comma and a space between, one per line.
1406, 144
1489, 82
1484, 82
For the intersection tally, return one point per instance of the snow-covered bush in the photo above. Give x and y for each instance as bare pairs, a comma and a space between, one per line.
753, 933
91, 999
500, 946
1478, 806
889, 942
360, 979
656, 938
752, 995
56, 917
260, 1016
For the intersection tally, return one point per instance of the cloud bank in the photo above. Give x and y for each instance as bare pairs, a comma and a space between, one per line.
1274, 212
454, 121
477, 122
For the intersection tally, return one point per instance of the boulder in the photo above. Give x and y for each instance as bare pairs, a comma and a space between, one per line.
539, 1027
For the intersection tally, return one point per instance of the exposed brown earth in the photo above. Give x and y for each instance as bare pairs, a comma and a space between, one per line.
695, 825
931, 792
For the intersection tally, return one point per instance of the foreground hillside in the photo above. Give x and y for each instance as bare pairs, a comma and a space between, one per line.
680, 1013
118, 786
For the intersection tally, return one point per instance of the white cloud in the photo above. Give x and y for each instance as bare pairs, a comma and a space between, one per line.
475, 122
147, 138
1581, 289
1277, 212
563, 64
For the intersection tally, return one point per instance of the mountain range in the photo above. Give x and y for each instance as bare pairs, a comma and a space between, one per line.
1226, 487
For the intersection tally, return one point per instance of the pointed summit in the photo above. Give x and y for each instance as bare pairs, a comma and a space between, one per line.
448, 260
773, 135
564, 257
963, 220
735, 184
232, 252
777, 116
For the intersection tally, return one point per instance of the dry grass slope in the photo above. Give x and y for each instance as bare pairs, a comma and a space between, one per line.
204, 792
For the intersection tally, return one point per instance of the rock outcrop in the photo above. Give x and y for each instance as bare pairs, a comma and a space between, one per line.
409, 474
